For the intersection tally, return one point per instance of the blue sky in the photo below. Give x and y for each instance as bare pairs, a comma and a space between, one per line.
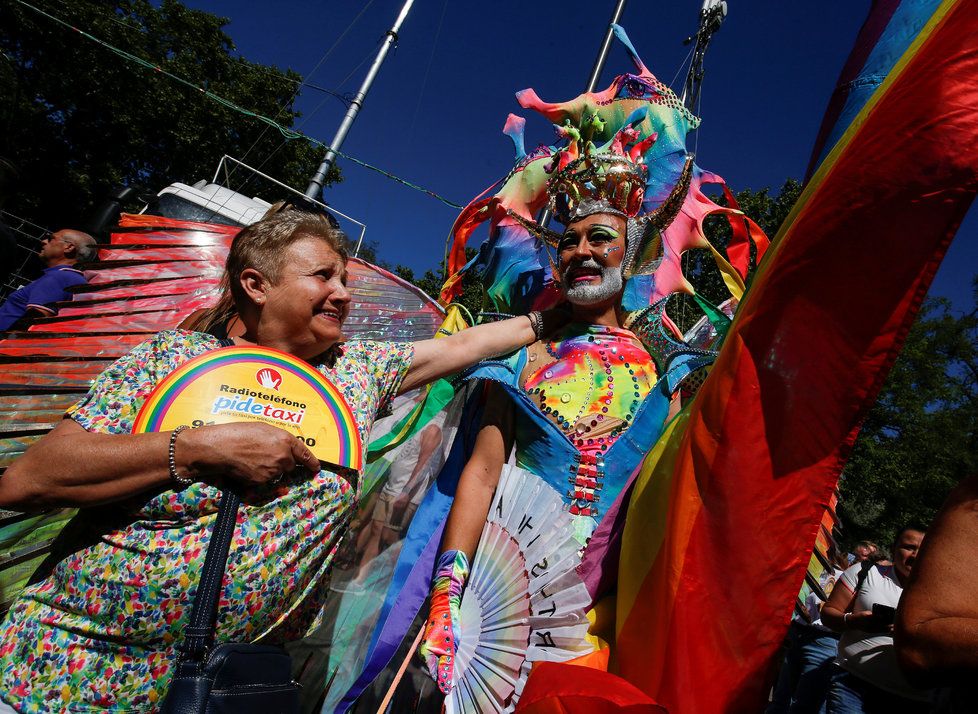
435, 114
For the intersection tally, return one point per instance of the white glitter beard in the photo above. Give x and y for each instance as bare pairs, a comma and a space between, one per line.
587, 294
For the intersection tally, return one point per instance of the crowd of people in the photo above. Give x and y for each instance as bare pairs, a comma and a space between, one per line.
896, 633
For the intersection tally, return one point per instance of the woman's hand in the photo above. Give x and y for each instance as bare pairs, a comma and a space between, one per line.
249, 454
866, 621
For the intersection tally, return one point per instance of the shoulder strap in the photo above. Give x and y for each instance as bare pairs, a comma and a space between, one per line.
860, 581
200, 632
863, 574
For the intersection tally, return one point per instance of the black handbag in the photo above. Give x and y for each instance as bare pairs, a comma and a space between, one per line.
230, 677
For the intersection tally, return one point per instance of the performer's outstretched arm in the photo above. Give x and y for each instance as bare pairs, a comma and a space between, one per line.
437, 358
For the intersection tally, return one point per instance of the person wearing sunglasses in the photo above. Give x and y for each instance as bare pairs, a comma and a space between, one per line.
60, 252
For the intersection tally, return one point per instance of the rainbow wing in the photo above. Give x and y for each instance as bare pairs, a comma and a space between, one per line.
152, 274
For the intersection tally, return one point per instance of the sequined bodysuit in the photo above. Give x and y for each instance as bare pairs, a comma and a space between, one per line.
591, 383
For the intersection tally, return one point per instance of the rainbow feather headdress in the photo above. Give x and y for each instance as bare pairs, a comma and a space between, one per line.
621, 151
612, 179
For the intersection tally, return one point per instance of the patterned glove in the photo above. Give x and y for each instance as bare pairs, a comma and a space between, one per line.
441, 631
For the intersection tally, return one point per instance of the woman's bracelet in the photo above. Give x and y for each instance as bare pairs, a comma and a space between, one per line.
180, 480
845, 617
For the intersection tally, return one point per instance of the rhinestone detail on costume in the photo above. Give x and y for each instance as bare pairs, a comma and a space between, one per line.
592, 391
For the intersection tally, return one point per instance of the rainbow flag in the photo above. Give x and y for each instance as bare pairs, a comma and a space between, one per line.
725, 510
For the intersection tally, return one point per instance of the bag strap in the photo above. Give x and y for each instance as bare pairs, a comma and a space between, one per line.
860, 581
200, 632
863, 574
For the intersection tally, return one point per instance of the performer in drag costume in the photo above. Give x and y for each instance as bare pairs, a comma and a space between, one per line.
756, 454
575, 395
583, 409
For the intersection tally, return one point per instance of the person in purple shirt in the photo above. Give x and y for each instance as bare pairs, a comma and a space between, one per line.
60, 252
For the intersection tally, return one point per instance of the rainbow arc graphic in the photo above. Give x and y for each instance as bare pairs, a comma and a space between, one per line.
257, 384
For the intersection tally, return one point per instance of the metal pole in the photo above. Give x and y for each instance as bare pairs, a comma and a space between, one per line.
592, 81
316, 184
594, 78
712, 16
356, 252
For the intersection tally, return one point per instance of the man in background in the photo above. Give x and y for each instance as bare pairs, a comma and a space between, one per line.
862, 607
59, 252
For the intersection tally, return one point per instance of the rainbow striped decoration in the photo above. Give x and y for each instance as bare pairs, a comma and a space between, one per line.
731, 504
236, 384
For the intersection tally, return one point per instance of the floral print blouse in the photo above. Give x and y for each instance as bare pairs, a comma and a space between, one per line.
97, 628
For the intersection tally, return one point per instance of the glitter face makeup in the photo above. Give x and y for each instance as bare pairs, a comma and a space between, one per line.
590, 269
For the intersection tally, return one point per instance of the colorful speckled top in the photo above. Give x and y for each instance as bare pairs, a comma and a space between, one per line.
97, 631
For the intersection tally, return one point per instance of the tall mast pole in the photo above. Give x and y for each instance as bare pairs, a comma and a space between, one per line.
315, 186
592, 81
595, 77
712, 15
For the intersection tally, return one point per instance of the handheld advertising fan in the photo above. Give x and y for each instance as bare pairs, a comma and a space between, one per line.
239, 384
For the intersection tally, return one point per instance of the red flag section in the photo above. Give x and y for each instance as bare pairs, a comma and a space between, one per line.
582, 690
770, 430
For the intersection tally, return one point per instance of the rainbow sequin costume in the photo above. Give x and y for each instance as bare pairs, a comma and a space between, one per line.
591, 390
577, 398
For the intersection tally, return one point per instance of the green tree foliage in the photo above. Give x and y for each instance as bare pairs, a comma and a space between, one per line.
921, 437
78, 119
768, 211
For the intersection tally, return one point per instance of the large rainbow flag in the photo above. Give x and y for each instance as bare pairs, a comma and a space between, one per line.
724, 513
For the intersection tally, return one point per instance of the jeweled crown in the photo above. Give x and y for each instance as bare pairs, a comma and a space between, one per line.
604, 182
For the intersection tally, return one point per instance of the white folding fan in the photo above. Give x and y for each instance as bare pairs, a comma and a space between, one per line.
524, 601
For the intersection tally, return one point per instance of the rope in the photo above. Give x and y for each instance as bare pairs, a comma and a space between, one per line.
298, 88
348, 100
427, 72
289, 134
672, 84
